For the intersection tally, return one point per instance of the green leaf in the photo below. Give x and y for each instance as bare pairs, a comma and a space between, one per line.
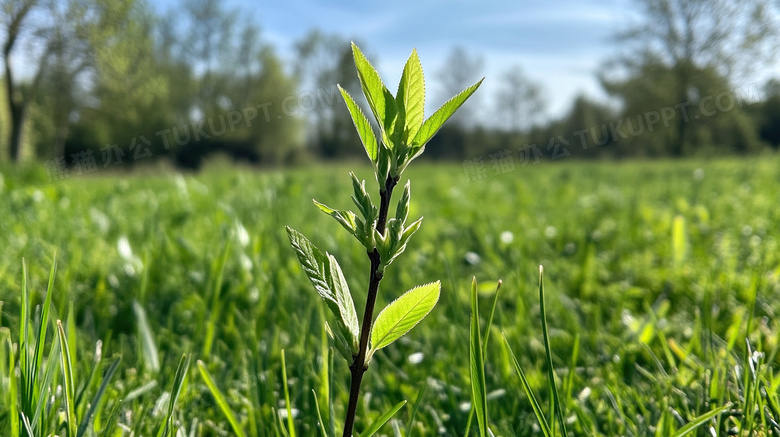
383, 165
313, 261
346, 307
220, 399
410, 230
401, 315
435, 121
347, 219
380, 100
362, 125
477, 365
342, 345
410, 99
325, 274
379, 423
402, 211
362, 200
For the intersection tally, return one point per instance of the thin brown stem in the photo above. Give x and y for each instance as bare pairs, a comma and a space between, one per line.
358, 367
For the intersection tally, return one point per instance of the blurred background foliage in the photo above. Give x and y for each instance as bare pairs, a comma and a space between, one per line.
203, 79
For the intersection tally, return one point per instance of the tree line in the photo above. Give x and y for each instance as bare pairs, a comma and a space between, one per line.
98, 83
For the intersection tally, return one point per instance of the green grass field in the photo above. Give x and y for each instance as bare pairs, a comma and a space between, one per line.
662, 287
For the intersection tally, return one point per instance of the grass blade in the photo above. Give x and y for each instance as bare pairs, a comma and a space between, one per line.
145, 335
490, 319
529, 393
98, 396
7, 346
550, 371
477, 365
211, 327
320, 424
67, 373
290, 424
697, 422
379, 423
26, 423
178, 383
220, 398
415, 408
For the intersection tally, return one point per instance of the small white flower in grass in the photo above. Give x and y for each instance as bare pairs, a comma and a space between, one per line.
241, 234
507, 237
550, 232
416, 358
123, 246
472, 258
283, 412
246, 263
698, 174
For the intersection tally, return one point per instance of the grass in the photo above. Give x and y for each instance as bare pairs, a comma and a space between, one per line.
661, 289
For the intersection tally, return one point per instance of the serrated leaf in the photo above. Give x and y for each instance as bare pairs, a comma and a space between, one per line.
380, 100
346, 307
401, 315
341, 343
435, 121
314, 263
410, 98
325, 274
362, 125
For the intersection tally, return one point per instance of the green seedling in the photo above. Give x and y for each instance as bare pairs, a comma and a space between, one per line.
404, 132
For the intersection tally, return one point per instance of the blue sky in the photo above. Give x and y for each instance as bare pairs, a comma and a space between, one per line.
559, 44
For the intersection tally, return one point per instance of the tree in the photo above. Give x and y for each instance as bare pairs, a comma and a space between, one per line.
519, 100
60, 43
322, 61
18, 29
460, 70
684, 38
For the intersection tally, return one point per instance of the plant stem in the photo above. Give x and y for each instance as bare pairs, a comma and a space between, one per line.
358, 367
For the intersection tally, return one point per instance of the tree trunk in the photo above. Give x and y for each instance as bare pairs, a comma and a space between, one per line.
15, 138
678, 144
16, 112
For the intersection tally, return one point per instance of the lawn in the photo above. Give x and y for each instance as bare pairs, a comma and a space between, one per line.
662, 283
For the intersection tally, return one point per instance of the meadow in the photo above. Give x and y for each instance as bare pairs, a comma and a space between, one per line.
662, 283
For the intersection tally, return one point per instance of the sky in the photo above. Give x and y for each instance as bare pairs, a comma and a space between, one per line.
560, 44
